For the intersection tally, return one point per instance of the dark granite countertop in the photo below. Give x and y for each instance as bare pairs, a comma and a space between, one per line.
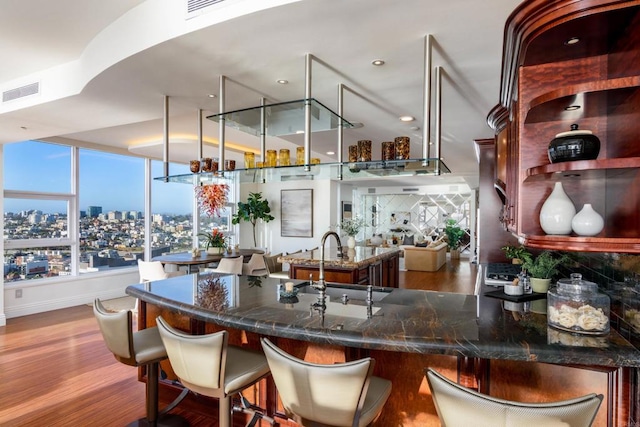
401, 320
360, 256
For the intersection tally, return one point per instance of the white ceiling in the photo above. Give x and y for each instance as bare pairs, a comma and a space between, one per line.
105, 66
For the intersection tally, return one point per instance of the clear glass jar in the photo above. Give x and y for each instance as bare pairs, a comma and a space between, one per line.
576, 305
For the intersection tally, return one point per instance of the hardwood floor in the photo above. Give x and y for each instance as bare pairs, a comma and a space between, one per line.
56, 371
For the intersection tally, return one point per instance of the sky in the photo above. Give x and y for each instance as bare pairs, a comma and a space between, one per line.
112, 181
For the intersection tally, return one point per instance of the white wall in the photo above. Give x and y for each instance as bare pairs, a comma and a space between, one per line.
55, 293
326, 209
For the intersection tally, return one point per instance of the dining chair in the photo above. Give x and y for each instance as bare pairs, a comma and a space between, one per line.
256, 266
138, 348
207, 365
459, 406
227, 266
154, 270
336, 395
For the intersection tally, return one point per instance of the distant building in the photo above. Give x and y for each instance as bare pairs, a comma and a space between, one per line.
94, 211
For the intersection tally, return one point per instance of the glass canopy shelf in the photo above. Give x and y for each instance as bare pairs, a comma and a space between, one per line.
284, 118
336, 171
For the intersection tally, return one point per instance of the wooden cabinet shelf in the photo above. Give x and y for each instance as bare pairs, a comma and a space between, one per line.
600, 76
584, 167
584, 244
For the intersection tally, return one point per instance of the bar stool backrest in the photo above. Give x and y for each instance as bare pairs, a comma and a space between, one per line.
460, 406
313, 394
117, 332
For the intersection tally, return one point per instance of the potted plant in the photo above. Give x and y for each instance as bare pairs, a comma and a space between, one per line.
254, 209
454, 237
542, 268
517, 254
215, 242
351, 227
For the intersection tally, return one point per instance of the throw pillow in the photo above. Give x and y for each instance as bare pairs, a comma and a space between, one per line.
408, 240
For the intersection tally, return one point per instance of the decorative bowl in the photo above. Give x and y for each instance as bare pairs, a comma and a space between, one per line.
574, 145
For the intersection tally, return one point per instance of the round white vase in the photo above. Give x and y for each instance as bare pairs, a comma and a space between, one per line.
587, 222
351, 242
557, 212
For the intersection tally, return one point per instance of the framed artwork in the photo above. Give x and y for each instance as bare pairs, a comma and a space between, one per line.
296, 213
347, 210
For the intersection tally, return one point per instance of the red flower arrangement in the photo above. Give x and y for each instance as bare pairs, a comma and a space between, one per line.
212, 198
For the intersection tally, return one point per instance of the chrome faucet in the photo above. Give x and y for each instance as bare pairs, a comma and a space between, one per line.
320, 284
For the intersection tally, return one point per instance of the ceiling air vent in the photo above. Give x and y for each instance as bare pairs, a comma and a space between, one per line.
371, 190
410, 190
21, 92
195, 7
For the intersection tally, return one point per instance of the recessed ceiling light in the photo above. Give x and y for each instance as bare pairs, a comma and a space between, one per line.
415, 128
330, 153
377, 62
299, 131
572, 40
212, 95
572, 108
282, 81
407, 118
23, 127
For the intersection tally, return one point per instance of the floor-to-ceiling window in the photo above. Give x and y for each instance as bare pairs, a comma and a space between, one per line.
71, 211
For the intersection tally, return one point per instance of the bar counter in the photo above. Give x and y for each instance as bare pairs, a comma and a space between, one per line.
360, 265
402, 329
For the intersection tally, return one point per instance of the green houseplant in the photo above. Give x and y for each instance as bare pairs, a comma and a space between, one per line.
454, 237
517, 254
542, 268
254, 209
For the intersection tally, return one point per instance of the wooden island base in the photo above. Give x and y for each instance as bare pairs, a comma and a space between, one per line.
410, 403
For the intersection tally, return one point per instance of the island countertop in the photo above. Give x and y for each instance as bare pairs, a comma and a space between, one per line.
358, 257
413, 321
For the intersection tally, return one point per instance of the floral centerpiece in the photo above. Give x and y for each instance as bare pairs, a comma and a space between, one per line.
351, 227
215, 242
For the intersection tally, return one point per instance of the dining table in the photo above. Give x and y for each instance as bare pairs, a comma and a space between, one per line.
186, 259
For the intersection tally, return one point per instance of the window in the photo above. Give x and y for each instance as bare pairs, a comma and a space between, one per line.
111, 200
37, 231
53, 227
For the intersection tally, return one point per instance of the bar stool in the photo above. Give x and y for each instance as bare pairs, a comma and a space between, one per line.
458, 406
140, 348
338, 395
207, 365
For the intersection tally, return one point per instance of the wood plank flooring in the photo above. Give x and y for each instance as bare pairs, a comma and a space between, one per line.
56, 371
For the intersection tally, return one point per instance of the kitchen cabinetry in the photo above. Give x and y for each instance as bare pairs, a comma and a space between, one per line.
569, 62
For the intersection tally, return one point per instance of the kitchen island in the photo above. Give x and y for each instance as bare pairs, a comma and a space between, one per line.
474, 339
360, 265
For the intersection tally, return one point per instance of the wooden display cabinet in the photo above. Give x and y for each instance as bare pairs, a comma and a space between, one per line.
544, 73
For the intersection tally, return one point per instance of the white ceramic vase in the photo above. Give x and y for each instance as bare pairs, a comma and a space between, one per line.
351, 242
557, 212
587, 222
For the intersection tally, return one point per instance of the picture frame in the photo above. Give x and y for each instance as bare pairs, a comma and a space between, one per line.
296, 213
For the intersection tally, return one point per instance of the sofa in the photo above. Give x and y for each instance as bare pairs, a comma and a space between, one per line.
425, 259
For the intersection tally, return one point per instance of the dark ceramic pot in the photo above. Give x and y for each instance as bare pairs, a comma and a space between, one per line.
574, 145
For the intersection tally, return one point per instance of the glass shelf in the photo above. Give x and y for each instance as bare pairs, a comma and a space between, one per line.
284, 118
335, 171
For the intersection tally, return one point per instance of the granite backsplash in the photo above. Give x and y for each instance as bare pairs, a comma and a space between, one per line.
618, 275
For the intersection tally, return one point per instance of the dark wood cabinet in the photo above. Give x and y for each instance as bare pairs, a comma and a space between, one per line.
569, 62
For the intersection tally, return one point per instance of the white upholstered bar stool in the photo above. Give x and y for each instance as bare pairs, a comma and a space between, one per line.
206, 365
460, 406
139, 348
338, 395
